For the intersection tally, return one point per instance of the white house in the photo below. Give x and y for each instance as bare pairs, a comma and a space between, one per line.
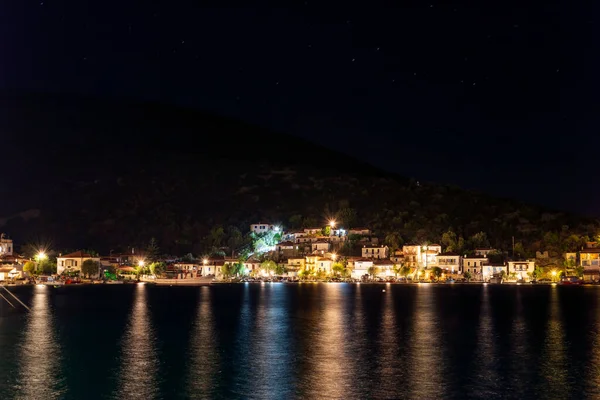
521, 268
6, 245
360, 267
375, 252
421, 256
261, 227
385, 268
324, 264
449, 262
489, 270
72, 262
321, 245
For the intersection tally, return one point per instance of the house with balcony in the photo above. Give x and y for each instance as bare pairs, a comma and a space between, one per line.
375, 252
421, 256
385, 268
71, 263
321, 245
474, 266
360, 267
6, 245
490, 270
589, 259
449, 262
522, 269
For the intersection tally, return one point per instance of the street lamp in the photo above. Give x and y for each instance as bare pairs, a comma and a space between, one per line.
41, 256
333, 256
553, 273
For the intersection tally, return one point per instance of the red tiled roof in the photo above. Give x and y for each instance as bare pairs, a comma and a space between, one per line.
77, 254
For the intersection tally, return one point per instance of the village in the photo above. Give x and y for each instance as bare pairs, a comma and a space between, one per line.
309, 254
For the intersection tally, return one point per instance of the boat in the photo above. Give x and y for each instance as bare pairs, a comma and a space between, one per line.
450, 280
570, 280
114, 282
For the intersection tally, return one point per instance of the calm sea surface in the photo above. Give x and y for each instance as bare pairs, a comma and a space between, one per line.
284, 341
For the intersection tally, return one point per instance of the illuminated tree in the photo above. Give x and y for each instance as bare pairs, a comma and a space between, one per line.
372, 271
338, 269
90, 268
467, 276
30, 267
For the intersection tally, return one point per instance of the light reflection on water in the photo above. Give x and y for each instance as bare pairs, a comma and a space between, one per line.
40, 356
486, 377
139, 360
312, 341
204, 363
329, 365
426, 379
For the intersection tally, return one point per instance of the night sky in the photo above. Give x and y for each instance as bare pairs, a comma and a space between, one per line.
497, 96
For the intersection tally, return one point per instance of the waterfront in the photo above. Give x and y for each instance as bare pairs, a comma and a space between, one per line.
275, 340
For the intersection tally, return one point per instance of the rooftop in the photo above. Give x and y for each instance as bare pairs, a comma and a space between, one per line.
77, 254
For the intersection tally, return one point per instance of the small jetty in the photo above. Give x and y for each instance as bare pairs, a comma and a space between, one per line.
200, 281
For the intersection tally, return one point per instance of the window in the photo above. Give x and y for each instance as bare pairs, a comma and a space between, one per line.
468, 263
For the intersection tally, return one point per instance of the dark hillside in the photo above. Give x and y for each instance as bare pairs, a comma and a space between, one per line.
107, 174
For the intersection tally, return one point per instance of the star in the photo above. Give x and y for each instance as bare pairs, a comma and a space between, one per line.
353, 59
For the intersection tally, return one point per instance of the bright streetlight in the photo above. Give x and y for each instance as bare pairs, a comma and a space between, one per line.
333, 256
205, 261
141, 263
332, 223
41, 256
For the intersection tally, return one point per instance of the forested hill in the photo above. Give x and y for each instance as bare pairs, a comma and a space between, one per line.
96, 174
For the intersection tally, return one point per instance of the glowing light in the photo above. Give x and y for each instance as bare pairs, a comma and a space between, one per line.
41, 255
276, 229
141, 263
332, 223
553, 272
333, 256
205, 261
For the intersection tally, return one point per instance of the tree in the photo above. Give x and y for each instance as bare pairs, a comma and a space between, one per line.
269, 266
372, 271
48, 267
347, 216
449, 241
405, 271
158, 268
152, 250
579, 271
397, 269
338, 269
437, 272
537, 273
90, 267
280, 269
295, 221
29, 267
479, 240
467, 275
326, 231
393, 241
